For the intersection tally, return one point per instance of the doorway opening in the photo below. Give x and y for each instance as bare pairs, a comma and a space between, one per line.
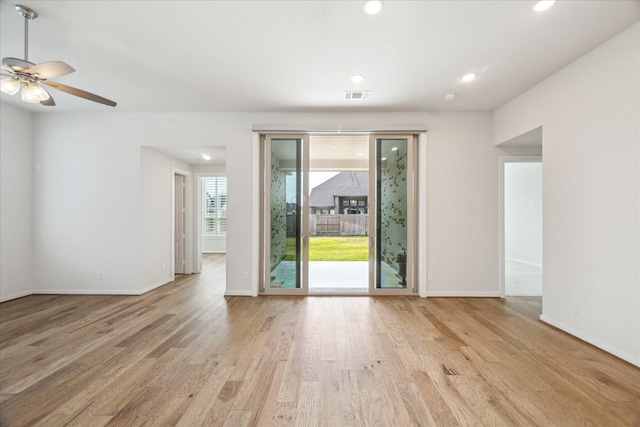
338, 202
522, 226
213, 212
338, 214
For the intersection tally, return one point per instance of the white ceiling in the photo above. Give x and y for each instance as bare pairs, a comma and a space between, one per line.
281, 56
194, 155
327, 152
339, 147
334, 152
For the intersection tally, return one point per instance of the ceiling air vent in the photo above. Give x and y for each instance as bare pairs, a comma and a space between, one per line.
357, 95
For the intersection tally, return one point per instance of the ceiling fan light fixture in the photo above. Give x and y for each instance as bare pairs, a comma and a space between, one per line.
10, 86
34, 93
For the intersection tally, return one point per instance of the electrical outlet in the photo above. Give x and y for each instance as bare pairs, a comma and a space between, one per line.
574, 306
98, 274
245, 276
164, 267
431, 276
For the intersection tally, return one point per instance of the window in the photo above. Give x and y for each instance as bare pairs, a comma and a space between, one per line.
214, 203
353, 205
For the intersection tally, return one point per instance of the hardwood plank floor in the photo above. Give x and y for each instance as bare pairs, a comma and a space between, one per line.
186, 355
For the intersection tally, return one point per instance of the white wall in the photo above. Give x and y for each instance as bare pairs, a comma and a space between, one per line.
523, 212
86, 203
16, 169
91, 163
156, 208
462, 206
214, 244
590, 118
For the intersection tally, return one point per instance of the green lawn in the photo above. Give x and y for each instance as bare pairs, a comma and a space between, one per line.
334, 248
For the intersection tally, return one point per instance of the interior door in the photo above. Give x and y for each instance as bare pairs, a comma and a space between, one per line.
285, 215
392, 223
179, 235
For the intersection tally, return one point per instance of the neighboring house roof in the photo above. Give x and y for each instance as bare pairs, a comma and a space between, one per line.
344, 184
353, 191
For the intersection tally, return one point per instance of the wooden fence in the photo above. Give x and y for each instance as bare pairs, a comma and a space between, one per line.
333, 225
339, 225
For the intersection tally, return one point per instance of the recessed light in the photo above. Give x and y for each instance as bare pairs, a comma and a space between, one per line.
360, 154
372, 7
450, 97
205, 156
468, 77
394, 149
357, 78
543, 5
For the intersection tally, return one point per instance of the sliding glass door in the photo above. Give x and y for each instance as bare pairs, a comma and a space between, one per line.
382, 212
285, 223
392, 230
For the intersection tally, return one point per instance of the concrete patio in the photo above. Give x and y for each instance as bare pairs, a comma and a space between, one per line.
334, 276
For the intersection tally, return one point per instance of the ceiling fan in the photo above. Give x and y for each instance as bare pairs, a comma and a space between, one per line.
31, 77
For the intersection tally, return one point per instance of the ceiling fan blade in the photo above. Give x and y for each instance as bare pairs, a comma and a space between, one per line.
48, 70
9, 69
81, 93
17, 64
48, 102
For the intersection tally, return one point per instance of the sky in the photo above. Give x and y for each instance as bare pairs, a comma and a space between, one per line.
315, 178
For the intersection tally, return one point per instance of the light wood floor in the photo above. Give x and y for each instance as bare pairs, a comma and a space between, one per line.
186, 355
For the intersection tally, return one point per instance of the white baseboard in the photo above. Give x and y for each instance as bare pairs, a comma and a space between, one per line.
634, 360
157, 285
86, 292
229, 293
102, 291
463, 294
16, 296
521, 261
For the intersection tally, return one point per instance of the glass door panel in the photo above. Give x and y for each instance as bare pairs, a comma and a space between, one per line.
284, 222
392, 229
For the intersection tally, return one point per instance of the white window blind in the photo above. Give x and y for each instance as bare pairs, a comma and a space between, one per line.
214, 205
